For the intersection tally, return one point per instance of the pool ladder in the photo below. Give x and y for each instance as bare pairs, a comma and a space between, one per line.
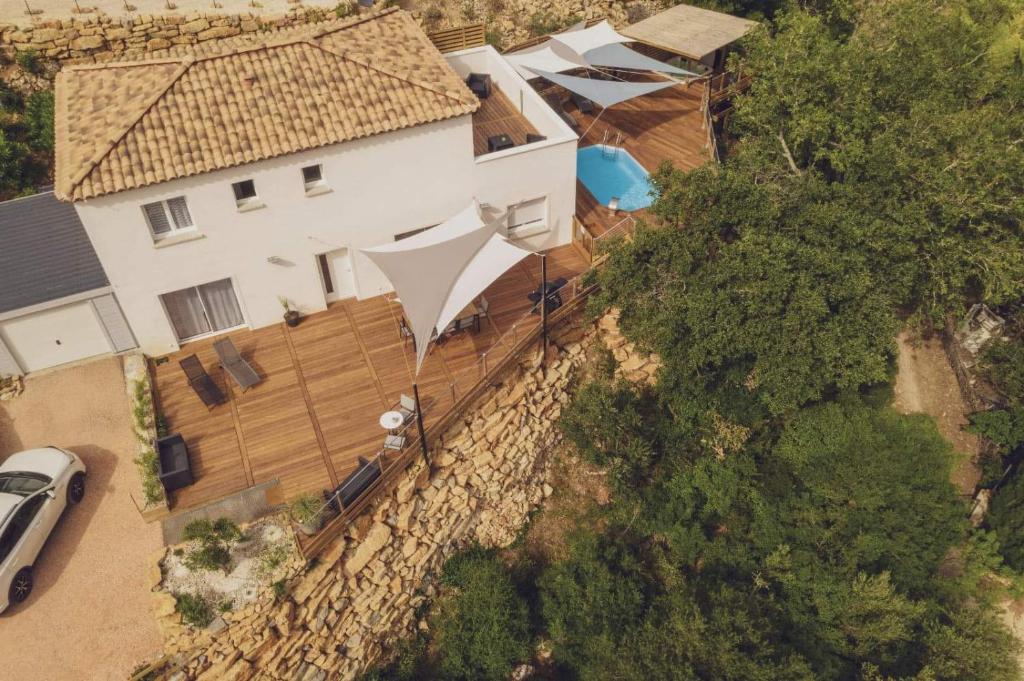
610, 151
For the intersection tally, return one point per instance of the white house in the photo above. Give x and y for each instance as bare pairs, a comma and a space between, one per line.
214, 185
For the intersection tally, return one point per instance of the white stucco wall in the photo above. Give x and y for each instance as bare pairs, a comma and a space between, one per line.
381, 186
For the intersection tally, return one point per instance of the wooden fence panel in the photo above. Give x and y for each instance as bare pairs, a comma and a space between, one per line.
459, 38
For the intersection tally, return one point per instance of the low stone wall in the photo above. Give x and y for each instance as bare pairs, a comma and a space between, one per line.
103, 38
487, 475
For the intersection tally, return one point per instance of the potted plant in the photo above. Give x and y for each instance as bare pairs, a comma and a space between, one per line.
305, 511
291, 317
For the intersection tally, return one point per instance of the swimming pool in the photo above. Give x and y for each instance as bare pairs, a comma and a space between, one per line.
609, 171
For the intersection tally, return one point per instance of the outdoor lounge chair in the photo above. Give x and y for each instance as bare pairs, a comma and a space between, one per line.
407, 408
240, 370
205, 387
582, 103
406, 333
556, 104
394, 442
352, 487
479, 84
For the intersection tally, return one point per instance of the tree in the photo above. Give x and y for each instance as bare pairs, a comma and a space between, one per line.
482, 631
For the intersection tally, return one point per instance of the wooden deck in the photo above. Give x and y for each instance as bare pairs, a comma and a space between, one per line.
326, 383
663, 126
496, 115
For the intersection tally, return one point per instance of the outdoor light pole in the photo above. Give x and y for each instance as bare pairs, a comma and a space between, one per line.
419, 422
543, 308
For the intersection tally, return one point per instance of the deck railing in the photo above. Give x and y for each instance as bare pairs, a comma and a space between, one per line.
517, 341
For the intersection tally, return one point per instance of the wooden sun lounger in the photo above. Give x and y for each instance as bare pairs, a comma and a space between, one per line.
240, 370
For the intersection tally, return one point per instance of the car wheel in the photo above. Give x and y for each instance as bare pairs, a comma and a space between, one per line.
76, 488
21, 586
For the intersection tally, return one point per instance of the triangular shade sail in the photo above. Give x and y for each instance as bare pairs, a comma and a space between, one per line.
598, 35
619, 56
604, 93
549, 56
438, 272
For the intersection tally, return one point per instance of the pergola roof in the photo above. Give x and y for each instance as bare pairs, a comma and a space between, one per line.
693, 32
438, 272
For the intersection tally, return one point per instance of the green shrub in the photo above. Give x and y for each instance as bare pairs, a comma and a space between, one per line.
30, 61
344, 9
194, 610
305, 509
1005, 427
1006, 519
544, 23
146, 462
482, 629
214, 539
1002, 363
280, 588
39, 120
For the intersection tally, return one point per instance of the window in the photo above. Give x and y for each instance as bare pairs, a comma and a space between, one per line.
22, 484
313, 176
23, 517
199, 310
245, 192
167, 217
527, 215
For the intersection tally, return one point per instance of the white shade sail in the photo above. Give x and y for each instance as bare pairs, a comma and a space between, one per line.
604, 93
618, 56
583, 40
549, 56
438, 272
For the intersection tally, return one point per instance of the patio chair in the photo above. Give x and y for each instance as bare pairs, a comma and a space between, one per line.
406, 333
556, 104
407, 408
394, 442
240, 370
483, 305
204, 386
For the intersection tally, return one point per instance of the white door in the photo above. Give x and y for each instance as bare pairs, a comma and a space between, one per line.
51, 337
336, 273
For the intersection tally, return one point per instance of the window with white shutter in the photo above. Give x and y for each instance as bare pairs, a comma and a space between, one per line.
168, 217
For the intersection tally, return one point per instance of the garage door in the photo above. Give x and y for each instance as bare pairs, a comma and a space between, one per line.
52, 337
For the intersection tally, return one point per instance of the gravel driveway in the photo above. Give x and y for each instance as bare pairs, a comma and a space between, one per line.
89, 614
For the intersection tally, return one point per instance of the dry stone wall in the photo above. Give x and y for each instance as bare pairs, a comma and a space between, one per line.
487, 474
104, 38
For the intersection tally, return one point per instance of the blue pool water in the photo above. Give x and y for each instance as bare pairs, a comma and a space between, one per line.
614, 173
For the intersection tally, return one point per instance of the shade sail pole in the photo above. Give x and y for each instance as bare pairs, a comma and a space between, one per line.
543, 308
419, 422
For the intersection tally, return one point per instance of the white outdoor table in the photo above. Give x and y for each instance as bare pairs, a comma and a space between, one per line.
390, 420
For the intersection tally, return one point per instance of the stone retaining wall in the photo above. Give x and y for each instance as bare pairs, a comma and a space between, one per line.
103, 38
487, 475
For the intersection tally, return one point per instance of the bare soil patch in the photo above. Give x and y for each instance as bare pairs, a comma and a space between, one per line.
926, 383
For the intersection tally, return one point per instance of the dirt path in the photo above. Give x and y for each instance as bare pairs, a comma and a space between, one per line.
926, 383
89, 615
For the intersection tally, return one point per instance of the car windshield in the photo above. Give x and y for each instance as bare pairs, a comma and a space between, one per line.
22, 484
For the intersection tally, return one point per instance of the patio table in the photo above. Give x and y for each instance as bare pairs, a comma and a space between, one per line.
390, 420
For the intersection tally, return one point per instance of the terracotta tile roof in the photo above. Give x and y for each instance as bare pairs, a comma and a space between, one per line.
126, 125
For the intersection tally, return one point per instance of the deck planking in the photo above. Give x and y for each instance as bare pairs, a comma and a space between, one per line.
664, 126
496, 115
325, 384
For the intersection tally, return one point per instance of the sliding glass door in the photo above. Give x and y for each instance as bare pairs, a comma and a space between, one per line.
199, 310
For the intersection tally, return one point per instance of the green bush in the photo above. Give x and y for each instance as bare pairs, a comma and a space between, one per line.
39, 120
194, 610
213, 539
1006, 519
30, 61
344, 9
1002, 363
482, 628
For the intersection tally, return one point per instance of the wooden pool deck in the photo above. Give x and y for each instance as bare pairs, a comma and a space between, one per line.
325, 384
664, 126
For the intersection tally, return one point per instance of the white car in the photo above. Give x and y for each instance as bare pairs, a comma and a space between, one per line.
35, 488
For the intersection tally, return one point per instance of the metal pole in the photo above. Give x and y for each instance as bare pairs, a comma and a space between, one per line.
419, 422
543, 307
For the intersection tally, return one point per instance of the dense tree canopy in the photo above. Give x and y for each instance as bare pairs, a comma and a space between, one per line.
772, 517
